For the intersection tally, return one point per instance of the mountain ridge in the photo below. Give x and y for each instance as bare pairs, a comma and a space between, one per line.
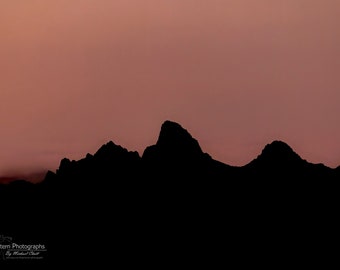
175, 147
173, 201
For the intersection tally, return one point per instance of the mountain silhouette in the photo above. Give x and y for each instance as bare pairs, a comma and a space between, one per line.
174, 142
279, 161
173, 203
178, 155
279, 152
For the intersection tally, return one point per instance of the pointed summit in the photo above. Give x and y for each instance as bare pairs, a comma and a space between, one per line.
175, 143
277, 148
278, 153
112, 152
109, 148
174, 137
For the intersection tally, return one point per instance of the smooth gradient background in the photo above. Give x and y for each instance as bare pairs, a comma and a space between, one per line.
237, 74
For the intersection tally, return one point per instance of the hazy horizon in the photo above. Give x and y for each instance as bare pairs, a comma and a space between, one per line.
237, 74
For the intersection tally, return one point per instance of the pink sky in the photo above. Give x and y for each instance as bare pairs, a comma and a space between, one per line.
237, 74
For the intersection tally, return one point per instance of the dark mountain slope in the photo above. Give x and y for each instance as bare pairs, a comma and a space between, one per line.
109, 163
178, 156
174, 204
278, 161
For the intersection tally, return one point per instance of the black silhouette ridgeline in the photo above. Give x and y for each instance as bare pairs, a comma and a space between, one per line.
175, 204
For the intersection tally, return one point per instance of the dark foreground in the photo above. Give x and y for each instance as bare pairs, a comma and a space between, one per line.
176, 206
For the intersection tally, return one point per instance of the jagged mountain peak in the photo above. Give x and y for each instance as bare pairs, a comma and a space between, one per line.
114, 152
174, 136
108, 147
174, 143
278, 152
278, 147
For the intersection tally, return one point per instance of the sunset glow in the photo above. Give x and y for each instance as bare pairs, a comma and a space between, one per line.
237, 74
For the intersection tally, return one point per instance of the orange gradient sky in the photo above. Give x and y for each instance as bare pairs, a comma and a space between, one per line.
237, 74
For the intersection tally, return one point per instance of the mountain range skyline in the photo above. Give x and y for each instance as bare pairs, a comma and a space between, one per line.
172, 133
174, 197
237, 74
176, 132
